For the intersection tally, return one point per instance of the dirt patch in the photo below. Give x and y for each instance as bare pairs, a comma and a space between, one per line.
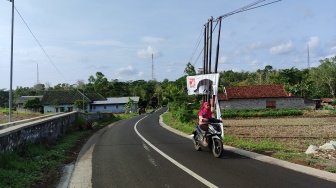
16, 116
295, 133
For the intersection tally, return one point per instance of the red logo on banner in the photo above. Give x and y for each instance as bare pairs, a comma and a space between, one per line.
192, 82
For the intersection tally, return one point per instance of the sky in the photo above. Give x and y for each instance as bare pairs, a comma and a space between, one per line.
68, 41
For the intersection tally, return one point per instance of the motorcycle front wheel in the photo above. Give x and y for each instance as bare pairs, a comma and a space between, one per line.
196, 144
217, 148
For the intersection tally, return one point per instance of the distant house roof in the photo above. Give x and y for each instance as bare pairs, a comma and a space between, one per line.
22, 99
117, 100
247, 92
68, 96
327, 100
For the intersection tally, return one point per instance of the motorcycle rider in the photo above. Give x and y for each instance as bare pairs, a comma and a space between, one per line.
203, 115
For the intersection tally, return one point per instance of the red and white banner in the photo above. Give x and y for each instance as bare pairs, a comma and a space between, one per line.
203, 84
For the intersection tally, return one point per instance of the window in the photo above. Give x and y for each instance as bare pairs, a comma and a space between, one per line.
116, 106
270, 104
104, 106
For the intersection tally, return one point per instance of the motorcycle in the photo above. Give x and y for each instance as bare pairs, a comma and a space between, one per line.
214, 137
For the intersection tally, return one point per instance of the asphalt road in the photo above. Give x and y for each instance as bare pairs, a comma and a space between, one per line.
139, 152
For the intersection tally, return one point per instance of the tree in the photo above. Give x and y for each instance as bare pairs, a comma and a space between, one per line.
32, 104
100, 83
117, 88
325, 75
158, 92
4, 98
328, 73
80, 104
190, 70
39, 86
63, 86
128, 106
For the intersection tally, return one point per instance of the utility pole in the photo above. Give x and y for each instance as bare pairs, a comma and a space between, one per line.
218, 40
11, 67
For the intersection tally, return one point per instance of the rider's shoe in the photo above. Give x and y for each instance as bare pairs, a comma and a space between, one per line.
204, 143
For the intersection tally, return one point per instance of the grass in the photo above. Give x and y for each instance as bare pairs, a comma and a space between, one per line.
261, 146
4, 110
261, 113
30, 166
287, 151
188, 127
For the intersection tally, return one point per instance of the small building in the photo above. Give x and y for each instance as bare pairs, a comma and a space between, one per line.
23, 99
114, 105
326, 101
257, 97
63, 100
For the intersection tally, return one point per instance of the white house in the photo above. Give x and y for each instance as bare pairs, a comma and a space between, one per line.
114, 105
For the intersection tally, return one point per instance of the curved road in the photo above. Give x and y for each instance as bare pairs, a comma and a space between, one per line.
139, 152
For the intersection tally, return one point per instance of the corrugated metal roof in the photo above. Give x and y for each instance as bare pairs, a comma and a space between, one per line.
68, 96
117, 100
22, 99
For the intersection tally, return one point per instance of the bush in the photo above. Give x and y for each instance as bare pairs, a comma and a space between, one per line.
333, 103
182, 111
80, 123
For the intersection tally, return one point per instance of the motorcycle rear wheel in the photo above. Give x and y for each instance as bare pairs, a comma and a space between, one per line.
217, 148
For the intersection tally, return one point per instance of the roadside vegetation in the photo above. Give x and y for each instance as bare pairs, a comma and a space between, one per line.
261, 113
281, 133
39, 165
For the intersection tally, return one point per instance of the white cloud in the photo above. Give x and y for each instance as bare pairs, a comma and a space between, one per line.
152, 39
247, 58
254, 63
101, 43
236, 53
282, 48
126, 71
255, 45
223, 59
333, 49
313, 42
147, 53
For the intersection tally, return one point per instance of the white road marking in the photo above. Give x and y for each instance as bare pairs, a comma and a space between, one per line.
145, 146
152, 161
193, 174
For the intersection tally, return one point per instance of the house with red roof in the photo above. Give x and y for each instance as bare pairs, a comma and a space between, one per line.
258, 96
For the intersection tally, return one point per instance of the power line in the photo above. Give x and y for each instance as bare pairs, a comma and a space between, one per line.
197, 44
199, 41
40, 44
242, 9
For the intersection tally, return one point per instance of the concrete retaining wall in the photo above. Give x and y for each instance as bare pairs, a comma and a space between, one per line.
43, 130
